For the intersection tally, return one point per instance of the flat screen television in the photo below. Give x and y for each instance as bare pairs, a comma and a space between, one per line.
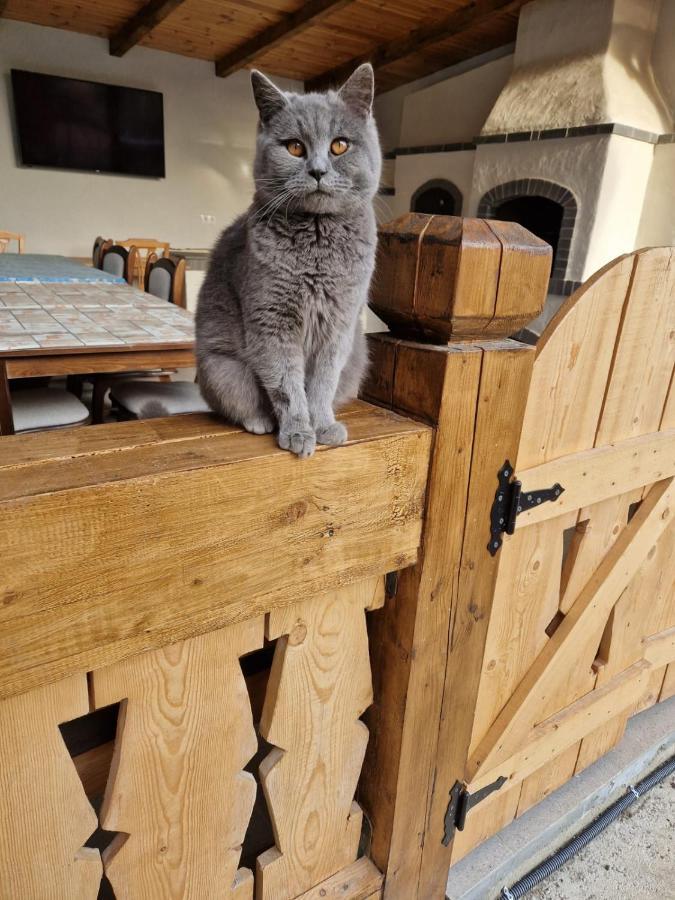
65, 123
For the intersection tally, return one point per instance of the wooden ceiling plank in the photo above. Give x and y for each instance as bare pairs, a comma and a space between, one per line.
457, 22
147, 18
309, 14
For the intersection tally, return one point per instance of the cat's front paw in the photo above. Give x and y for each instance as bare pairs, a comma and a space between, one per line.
332, 434
301, 442
259, 424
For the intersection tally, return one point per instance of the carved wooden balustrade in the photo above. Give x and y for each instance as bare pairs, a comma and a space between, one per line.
206, 690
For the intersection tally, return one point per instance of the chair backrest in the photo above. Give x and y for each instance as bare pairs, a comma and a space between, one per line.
147, 244
96, 254
165, 278
7, 236
117, 260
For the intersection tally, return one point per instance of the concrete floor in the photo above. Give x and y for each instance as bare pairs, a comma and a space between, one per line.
633, 858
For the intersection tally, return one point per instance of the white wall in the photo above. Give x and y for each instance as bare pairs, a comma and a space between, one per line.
454, 110
414, 170
389, 106
209, 133
657, 225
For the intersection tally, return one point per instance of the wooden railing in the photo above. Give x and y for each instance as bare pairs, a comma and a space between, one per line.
226, 672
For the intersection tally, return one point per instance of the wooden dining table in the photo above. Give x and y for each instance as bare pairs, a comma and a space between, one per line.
81, 327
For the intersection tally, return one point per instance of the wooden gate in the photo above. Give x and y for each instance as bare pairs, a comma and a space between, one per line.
583, 612
560, 631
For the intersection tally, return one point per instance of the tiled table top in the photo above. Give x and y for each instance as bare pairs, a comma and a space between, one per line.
42, 268
84, 317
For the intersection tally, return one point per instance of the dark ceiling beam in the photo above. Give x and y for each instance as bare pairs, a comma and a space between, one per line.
309, 14
145, 20
457, 22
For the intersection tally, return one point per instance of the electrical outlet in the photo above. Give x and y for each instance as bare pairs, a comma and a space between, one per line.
208, 219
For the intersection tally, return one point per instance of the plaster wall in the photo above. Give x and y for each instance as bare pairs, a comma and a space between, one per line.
620, 202
389, 106
657, 223
453, 110
415, 170
573, 163
210, 128
663, 55
566, 75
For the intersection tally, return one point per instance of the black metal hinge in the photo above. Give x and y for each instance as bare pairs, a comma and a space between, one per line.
461, 801
510, 499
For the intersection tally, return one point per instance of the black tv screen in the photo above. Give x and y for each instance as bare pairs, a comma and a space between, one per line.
65, 123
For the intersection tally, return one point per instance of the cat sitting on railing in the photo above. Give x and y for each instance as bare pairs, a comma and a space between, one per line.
279, 343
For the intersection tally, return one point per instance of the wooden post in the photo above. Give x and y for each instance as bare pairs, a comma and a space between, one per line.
472, 282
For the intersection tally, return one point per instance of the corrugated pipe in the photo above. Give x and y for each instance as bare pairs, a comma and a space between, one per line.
549, 866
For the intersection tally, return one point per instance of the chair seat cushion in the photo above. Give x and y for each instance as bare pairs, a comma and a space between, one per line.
38, 408
150, 399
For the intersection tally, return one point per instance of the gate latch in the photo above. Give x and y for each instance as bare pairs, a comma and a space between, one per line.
461, 801
510, 500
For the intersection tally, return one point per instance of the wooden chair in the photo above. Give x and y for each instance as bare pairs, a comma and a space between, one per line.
6, 237
165, 278
118, 260
101, 246
145, 247
45, 408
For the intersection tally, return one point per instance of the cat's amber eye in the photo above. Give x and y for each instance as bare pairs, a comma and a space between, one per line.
339, 146
296, 148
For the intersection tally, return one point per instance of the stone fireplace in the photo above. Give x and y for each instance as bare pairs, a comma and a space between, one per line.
571, 135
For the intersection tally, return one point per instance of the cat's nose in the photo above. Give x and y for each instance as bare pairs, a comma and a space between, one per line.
318, 174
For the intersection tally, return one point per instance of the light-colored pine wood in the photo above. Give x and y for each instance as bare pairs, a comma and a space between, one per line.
45, 817
594, 475
504, 379
550, 738
586, 617
360, 881
172, 538
177, 792
410, 635
319, 687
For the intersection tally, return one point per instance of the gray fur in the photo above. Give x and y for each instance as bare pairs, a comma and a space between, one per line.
279, 342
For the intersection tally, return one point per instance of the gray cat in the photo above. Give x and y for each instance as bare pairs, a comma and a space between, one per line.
279, 342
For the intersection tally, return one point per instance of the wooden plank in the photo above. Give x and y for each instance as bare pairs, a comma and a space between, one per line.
310, 13
635, 398
6, 418
553, 736
45, 817
319, 687
504, 381
591, 476
146, 19
453, 24
53, 362
362, 880
513, 726
177, 791
409, 637
169, 541
93, 767
659, 649
524, 273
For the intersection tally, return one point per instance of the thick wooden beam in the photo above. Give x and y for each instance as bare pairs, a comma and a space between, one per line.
145, 20
309, 14
145, 537
458, 21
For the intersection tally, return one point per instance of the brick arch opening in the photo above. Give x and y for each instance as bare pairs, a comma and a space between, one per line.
547, 209
437, 197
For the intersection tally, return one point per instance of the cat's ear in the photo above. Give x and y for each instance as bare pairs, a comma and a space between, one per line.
268, 98
358, 90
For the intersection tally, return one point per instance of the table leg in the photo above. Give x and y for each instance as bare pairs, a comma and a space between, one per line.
6, 419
